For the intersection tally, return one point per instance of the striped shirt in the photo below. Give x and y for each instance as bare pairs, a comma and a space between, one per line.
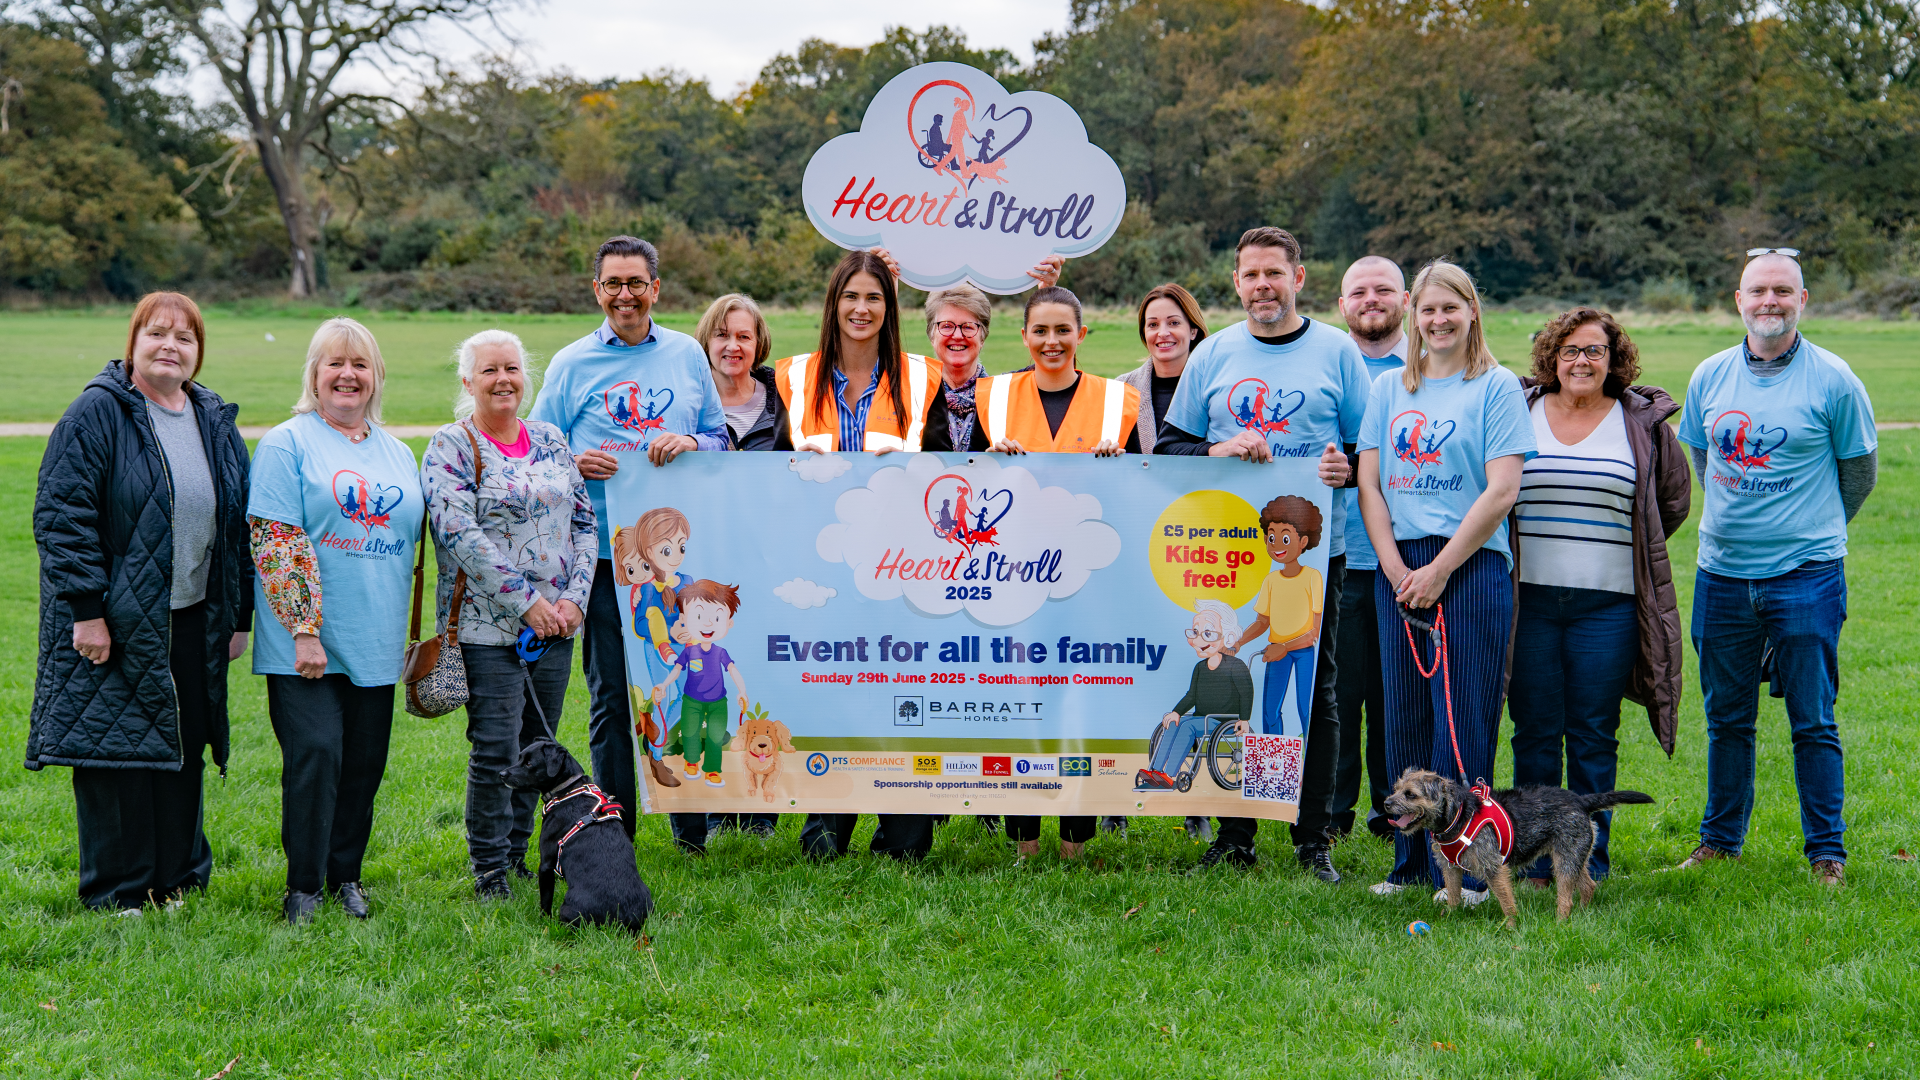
853, 421
1576, 507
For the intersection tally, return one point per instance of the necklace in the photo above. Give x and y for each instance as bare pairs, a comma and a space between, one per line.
365, 429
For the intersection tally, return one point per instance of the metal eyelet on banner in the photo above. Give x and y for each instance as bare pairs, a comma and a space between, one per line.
1146, 464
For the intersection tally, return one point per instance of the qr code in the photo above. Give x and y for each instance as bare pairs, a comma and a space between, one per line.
1272, 767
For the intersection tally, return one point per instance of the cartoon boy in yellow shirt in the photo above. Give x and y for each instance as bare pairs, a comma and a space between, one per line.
1289, 606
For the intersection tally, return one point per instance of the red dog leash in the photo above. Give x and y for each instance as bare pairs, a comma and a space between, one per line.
1489, 812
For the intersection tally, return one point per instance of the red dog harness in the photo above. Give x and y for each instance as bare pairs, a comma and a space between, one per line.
604, 809
1488, 811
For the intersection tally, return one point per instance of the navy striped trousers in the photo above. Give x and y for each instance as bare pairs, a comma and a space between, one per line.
1479, 604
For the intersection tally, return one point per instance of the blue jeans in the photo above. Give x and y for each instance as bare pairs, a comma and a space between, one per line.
1573, 653
1785, 629
1175, 744
1297, 668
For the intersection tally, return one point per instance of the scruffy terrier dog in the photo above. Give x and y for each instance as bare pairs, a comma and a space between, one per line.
1546, 820
581, 841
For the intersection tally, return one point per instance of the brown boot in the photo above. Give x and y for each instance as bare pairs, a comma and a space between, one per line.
661, 774
1704, 854
1830, 872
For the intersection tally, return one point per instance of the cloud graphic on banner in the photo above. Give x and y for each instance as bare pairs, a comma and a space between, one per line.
960, 179
979, 537
820, 468
804, 594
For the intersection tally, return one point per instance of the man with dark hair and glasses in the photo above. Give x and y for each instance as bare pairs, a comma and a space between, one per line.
631, 384
1782, 435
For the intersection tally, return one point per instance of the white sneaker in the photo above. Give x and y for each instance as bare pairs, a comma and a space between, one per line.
1385, 888
1468, 897
129, 913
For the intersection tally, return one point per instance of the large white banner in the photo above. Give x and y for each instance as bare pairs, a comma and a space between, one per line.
962, 180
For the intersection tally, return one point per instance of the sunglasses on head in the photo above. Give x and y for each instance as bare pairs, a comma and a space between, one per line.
1791, 253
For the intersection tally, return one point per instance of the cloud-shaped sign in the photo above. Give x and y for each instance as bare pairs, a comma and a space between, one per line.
804, 594
978, 537
819, 468
960, 179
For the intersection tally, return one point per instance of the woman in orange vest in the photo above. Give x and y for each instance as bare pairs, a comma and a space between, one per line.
860, 390
1054, 407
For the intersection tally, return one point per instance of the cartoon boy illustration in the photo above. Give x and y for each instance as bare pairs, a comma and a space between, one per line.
1289, 606
1221, 685
646, 559
708, 608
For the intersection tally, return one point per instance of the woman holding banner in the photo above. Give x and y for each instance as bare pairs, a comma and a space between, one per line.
1441, 453
1054, 407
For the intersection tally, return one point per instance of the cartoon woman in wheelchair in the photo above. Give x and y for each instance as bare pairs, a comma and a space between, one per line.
1205, 726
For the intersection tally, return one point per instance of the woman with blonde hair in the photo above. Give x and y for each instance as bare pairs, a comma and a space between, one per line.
1441, 451
145, 590
509, 510
734, 333
335, 500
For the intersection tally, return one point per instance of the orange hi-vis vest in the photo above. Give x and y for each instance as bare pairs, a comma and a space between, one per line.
794, 377
1102, 409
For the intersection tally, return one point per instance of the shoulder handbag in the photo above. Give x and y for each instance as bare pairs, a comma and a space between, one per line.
435, 672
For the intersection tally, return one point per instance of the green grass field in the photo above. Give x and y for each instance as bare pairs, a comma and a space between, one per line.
760, 964
50, 356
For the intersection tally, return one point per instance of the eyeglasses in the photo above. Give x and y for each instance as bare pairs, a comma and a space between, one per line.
966, 331
1596, 353
1204, 635
1791, 253
636, 286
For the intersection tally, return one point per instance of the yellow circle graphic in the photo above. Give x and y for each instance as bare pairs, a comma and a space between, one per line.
1207, 544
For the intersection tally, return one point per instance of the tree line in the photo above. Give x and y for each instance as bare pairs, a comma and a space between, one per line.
1619, 150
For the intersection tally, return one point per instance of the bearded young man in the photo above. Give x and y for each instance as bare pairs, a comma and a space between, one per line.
1373, 301
1782, 438
1280, 385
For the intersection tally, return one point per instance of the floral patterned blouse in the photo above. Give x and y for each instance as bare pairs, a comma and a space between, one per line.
529, 531
289, 573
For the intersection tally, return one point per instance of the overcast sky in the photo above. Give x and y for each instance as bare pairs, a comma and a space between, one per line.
727, 42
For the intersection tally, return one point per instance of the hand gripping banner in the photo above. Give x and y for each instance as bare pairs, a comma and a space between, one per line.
951, 633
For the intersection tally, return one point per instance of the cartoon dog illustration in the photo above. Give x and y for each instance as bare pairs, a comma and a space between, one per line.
762, 740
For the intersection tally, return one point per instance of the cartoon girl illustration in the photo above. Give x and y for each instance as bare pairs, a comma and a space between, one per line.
647, 559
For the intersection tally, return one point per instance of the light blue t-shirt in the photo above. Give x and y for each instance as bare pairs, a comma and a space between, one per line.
1301, 395
1434, 447
618, 397
1773, 444
1360, 555
361, 506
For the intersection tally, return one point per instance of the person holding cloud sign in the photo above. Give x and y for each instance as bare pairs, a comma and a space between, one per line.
1280, 384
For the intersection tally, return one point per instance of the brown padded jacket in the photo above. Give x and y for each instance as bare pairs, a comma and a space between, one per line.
1659, 509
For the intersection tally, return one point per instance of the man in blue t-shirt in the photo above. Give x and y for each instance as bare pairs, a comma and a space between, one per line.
630, 385
1783, 441
1280, 385
1373, 301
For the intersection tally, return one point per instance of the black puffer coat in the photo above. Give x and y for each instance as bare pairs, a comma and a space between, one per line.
103, 521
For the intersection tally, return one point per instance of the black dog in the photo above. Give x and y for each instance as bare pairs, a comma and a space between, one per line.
1546, 820
581, 840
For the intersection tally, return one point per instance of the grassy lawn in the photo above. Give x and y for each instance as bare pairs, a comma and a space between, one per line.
760, 964
51, 355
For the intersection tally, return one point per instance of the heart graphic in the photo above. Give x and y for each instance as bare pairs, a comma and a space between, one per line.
987, 500
365, 504
1276, 418
1417, 440
635, 408
1762, 441
995, 153
1743, 442
964, 517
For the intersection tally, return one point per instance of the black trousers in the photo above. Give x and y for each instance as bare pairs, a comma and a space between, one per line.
1359, 688
1074, 830
1323, 734
333, 753
501, 718
901, 836
142, 837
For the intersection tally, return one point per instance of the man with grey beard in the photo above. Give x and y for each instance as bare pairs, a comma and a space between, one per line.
1783, 441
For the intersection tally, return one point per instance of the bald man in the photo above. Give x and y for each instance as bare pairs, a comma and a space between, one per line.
1783, 439
1373, 303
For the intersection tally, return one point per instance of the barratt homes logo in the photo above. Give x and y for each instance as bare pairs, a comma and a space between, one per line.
963, 181
638, 409
365, 504
1417, 441
963, 516
1745, 444
1257, 407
